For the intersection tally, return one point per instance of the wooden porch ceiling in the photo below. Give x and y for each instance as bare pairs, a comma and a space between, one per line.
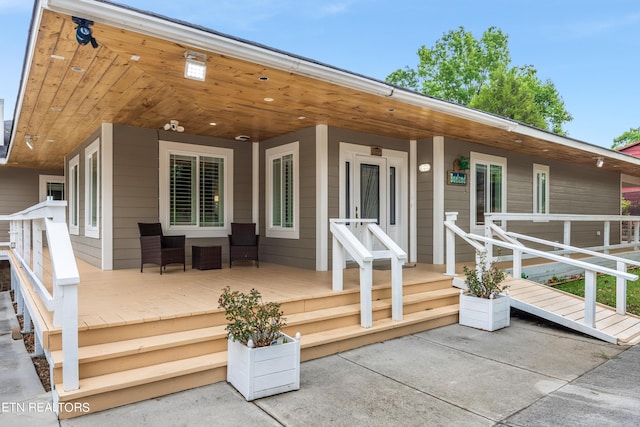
70, 90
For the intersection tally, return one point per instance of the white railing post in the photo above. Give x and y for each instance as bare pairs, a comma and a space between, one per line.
621, 289
488, 233
396, 288
590, 298
451, 217
636, 235
26, 242
607, 236
37, 268
366, 305
567, 235
337, 265
70, 369
517, 264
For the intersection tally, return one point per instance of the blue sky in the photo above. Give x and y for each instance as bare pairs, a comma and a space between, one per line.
588, 49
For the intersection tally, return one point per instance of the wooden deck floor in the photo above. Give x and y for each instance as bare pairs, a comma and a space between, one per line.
127, 296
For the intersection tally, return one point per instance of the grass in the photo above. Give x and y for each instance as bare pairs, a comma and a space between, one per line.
606, 291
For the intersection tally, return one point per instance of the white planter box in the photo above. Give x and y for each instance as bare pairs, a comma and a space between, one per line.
264, 371
482, 313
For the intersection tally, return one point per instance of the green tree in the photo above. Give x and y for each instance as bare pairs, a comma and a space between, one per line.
627, 138
477, 73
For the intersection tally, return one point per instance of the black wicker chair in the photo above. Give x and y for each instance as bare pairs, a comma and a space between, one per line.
156, 248
243, 242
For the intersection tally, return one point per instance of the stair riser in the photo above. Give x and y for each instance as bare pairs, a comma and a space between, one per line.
139, 330
351, 343
145, 358
313, 326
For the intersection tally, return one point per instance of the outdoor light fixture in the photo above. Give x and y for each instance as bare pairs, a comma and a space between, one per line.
84, 35
600, 162
195, 67
424, 167
174, 126
29, 141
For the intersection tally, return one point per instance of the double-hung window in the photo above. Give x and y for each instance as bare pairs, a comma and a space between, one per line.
488, 187
282, 184
540, 189
195, 189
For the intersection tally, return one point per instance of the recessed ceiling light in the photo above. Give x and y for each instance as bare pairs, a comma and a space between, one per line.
213, 124
267, 99
60, 57
77, 69
135, 58
301, 117
263, 78
51, 140
518, 140
243, 138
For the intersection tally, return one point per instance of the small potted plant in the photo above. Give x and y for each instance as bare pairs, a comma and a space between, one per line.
486, 304
261, 359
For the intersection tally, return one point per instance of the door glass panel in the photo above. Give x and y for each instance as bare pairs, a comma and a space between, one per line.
370, 191
392, 195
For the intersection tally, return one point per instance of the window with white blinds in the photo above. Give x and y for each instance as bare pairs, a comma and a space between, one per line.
195, 185
196, 191
283, 188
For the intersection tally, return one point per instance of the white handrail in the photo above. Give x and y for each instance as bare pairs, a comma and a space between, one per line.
518, 248
362, 253
26, 244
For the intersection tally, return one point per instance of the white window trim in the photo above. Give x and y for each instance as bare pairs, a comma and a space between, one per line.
89, 230
536, 170
481, 158
270, 154
166, 149
74, 203
46, 179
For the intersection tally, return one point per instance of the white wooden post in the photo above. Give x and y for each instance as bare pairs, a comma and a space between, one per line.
621, 289
70, 369
451, 217
26, 321
636, 235
337, 265
567, 235
607, 236
590, 298
366, 305
517, 264
396, 288
488, 233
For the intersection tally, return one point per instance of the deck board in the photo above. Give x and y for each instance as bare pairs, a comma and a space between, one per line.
555, 304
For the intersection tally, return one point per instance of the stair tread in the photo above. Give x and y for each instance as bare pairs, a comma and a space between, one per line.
138, 376
108, 350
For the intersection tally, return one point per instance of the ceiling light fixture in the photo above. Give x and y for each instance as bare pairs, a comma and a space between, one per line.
195, 67
84, 35
243, 138
600, 162
28, 139
173, 125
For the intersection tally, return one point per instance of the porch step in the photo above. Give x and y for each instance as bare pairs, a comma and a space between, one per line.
100, 359
120, 388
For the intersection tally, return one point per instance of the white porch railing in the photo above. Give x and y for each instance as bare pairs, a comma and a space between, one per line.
344, 241
26, 242
518, 249
633, 241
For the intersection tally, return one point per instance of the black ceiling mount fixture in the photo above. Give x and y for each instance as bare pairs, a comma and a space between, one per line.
84, 34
